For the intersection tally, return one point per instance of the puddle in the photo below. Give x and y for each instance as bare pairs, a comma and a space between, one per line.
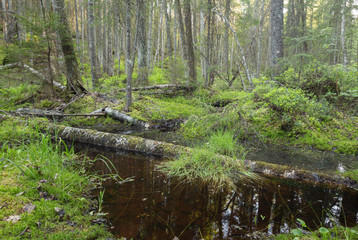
154, 207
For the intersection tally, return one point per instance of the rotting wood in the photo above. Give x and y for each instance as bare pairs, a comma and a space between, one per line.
163, 86
33, 71
148, 146
122, 117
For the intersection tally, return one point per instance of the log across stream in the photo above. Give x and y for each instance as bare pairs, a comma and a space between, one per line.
148, 146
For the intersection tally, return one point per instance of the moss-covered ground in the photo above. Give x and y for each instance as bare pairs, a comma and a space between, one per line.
315, 109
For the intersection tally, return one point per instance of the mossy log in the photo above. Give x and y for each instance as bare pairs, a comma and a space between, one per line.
125, 142
138, 144
51, 113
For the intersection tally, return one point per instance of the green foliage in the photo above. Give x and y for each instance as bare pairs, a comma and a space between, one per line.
10, 97
336, 84
158, 76
30, 170
352, 174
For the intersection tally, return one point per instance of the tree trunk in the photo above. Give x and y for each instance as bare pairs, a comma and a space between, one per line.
91, 43
260, 39
129, 62
72, 70
142, 44
167, 24
208, 39
226, 42
150, 34
189, 41
276, 32
181, 30
343, 34
202, 46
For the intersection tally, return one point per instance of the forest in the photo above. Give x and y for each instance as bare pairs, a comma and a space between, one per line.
178, 119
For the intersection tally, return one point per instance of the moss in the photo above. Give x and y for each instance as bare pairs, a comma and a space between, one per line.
352, 174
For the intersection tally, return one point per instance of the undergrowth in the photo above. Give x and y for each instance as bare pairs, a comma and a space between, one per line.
47, 176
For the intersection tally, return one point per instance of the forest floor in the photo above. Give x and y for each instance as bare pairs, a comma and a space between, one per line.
220, 117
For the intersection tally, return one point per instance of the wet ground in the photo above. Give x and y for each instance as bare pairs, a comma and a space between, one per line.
154, 207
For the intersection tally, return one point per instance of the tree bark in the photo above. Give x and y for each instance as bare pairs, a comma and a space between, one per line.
189, 42
181, 30
167, 25
129, 62
343, 34
276, 32
91, 44
150, 34
258, 64
142, 45
226, 42
72, 71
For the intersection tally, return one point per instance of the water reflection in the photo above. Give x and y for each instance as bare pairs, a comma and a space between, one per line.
154, 207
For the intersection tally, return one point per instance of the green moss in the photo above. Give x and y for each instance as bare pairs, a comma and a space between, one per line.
352, 174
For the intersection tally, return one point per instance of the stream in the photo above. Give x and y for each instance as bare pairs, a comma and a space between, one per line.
151, 206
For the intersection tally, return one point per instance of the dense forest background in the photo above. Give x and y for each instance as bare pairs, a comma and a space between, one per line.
196, 40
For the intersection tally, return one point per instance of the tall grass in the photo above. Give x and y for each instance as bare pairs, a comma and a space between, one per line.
43, 160
217, 162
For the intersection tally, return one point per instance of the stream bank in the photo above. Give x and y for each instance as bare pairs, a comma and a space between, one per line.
138, 144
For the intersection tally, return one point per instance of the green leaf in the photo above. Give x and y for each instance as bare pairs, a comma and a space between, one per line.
297, 232
302, 222
323, 230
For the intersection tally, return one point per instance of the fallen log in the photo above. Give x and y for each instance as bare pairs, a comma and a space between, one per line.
138, 144
49, 113
163, 86
122, 117
33, 71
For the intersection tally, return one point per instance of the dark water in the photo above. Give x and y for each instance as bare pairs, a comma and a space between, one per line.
154, 207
